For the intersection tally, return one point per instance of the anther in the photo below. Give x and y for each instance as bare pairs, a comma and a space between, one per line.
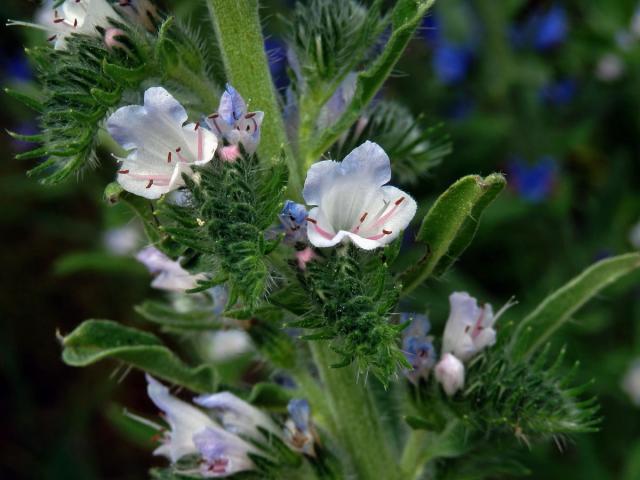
197, 126
51, 38
169, 157
150, 183
123, 172
400, 200
312, 220
387, 232
250, 115
178, 149
364, 216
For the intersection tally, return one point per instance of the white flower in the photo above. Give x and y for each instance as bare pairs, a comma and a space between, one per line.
353, 201
238, 416
184, 419
469, 328
450, 373
161, 148
169, 274
72, 16
122, 240
228, 344
223, 453
631, 382
610, 67
233, 124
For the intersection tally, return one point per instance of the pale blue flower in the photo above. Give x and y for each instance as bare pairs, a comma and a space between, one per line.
168, 274
417, 346
161, 147
234, 124
223, 453
238, 416
352, 201
298, 429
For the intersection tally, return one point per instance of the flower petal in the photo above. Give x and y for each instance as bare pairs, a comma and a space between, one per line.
184, 419
232, 106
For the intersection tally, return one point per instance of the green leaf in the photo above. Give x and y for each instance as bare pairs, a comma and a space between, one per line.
167, 316
96, 340
100, 262
450, 225
536, 329
239, 34
406, 17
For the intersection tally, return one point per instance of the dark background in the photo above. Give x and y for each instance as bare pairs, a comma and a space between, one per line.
570, 154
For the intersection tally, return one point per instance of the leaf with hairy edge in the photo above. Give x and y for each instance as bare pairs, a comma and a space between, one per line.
536, 329
96, 340
450, 225
405, 19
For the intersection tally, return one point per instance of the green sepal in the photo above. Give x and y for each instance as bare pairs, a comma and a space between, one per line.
26, 100
96, 340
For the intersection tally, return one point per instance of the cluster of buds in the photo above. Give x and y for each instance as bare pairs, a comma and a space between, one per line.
226, 433
468, 331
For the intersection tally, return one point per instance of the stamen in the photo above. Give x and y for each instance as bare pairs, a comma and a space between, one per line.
319, 229
380, 221
200, 141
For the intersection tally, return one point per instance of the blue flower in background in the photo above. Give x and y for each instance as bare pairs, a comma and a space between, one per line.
451, 63
552, 28
533, 182
417, 346
543, 30
277, 55
430, 29
559, 93
16, 68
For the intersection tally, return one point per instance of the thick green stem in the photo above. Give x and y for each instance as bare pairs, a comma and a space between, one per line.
237, 27
357, 422
413, 455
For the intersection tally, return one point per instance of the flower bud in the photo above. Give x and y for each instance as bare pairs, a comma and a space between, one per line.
450, 373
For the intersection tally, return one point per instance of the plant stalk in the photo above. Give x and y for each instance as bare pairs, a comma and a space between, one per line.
237, 27
357, 422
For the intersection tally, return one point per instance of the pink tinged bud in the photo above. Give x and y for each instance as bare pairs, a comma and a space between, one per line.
304, 257
450, 373
111, 39
230, 153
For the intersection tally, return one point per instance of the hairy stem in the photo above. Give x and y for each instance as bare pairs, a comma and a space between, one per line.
237, 27
356, 419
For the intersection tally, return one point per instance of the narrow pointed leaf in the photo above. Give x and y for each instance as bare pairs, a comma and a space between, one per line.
96, 340
536, 329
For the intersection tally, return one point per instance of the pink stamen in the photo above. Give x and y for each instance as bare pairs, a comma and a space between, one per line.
380, 221
319, 229
380, 235
180, 157
477, 328
200, 140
